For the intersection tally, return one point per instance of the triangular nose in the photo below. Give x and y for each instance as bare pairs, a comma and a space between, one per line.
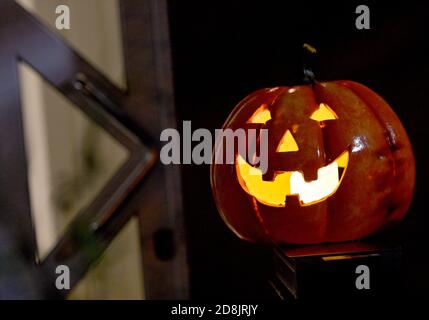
287, 143
324, 112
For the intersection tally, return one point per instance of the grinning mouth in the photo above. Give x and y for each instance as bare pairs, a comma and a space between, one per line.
286, 183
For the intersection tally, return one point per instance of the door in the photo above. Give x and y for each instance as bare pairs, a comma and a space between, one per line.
131, 113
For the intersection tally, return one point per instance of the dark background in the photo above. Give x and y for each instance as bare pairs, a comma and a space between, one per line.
224, 50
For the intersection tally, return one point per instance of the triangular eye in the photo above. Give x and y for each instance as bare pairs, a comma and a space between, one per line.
261, 115
323, 113
287, 143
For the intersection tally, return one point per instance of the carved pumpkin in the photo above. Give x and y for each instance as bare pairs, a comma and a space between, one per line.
340, 166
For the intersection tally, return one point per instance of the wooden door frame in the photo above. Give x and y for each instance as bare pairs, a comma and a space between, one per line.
134, 117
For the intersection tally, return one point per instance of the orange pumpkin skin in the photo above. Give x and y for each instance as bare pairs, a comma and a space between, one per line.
377, 186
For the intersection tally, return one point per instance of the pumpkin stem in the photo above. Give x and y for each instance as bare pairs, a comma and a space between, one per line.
309, 53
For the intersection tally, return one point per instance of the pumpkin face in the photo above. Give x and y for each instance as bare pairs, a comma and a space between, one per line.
340, 166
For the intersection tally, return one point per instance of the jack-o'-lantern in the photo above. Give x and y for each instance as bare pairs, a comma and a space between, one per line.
340, 166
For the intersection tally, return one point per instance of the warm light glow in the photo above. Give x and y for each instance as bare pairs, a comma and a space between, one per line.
323, 113
326, 184
287, 143
273, 193
261, 115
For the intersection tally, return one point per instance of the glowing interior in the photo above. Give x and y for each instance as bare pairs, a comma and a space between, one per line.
323, 113
261, 115
273, 193
287, 143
